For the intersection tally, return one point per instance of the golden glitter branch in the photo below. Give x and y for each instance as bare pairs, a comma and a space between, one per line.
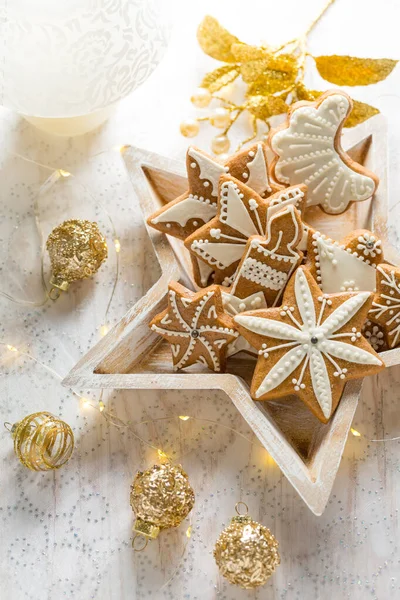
274, 78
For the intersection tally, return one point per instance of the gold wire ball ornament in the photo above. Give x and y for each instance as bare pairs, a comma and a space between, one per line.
42, 442
77, 249
161, 497
246, 552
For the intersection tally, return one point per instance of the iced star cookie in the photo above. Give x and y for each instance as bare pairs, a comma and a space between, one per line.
198, 205
348, 265
311, 345
385, 310
241, 214
308, 151
196, 327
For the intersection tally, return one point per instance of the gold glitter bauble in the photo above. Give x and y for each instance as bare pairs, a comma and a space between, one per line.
246, 553
42, 442
77, 249
161, 497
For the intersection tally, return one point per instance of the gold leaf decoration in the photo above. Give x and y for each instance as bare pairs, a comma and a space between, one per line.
270, 83
264, 107
303, 93
349, 70
243, 52
360, 113
283, 63
215, 40
219, 78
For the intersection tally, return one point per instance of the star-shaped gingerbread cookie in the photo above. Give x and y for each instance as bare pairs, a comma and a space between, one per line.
241, 214
385, 310
196, 327
311, 345
181, 217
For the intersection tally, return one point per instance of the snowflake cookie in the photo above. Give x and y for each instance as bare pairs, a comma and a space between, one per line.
196, 327
181, 217
348, 265
385, 310
311, 345
308, 151
242, 213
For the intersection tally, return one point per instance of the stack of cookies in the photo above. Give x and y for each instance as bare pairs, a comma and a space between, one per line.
314, 311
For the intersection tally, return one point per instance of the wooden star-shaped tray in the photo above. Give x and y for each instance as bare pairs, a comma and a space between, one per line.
132, 356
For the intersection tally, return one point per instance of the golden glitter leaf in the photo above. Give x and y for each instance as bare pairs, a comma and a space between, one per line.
264, 107
270, 66
215, 40
270, 83
360, 113
303, 93
219, 78
244, 53
349, 70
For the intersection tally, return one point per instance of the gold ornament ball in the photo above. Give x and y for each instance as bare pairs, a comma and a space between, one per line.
77, 249
201, 98
220, 118
42, 442
161, 497
189, 128
246, 553
220, 144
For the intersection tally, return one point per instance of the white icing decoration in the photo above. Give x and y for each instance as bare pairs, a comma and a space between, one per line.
307, 154
387, 309
320, 382
369, 245
166, 320
233, 306
233, 211
263, 274
314, 340
258, 174
211, 312
220, 343
336, 268
209, 169
220, 255
175, 348
189, 208
204, 271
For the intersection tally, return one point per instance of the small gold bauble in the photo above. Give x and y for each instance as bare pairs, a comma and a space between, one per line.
201, 98
189, 128
220, 118
77, 249
220, 144
246, 553
161, 497
42, 442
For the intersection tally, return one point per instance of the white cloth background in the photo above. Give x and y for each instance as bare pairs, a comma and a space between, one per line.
67, 534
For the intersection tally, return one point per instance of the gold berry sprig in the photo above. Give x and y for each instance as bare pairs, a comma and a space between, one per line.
274, 78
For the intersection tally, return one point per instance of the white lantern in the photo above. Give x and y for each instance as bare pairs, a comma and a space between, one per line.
65, 63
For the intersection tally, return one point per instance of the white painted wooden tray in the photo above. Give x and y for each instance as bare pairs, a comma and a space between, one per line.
132, 356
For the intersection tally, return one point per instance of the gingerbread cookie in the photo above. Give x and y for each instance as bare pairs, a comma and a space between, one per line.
196, 327
241, 214
311, 345
181, 217
264, 270
385, 310
348, 265
308, 151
